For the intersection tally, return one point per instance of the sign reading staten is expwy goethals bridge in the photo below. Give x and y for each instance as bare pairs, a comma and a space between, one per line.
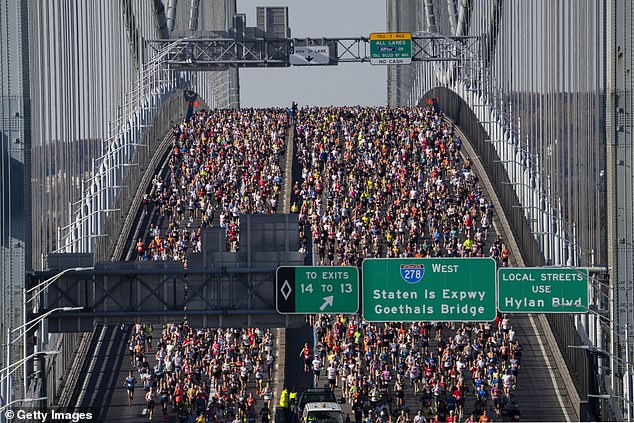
429, 289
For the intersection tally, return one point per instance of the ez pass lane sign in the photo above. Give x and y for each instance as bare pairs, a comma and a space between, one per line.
429, 289
310, 55
317, 289
390, 48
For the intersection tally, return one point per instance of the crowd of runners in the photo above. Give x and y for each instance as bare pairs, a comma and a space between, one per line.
380, 182
202, 375
222, 164
436, 365
375, 182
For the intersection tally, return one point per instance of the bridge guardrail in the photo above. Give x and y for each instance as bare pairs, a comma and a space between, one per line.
582, 370
137, 178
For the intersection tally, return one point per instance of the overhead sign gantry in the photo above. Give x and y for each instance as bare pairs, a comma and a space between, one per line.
202, 54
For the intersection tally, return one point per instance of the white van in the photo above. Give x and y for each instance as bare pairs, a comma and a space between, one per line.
322, 412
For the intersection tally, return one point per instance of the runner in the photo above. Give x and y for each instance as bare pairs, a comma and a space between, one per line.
130, 381
485, 417
150, 397
164, 398
317, 365
306, 354
331, 373
375, 182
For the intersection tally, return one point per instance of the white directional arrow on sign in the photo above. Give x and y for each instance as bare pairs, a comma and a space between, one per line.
310, 55
327, 302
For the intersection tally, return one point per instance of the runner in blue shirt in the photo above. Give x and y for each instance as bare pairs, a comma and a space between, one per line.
130, 381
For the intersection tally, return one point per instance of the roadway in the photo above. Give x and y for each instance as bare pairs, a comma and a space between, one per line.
101, 380
542, 390
544, 386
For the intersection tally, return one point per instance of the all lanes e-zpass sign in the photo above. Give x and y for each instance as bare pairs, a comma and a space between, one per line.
317, 289
429, 289
390, 48
542, 290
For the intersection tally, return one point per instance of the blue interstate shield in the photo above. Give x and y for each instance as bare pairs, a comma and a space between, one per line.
412, 273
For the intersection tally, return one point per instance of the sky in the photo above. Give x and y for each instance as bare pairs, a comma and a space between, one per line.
344, 84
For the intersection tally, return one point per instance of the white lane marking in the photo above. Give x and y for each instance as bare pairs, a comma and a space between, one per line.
91, 368
549, 366
274, 383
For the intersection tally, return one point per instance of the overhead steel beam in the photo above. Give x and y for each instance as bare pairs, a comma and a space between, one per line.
151, 269
115, 291
201, 54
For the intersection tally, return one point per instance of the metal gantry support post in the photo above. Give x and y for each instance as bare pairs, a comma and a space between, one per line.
619, 187
611, 177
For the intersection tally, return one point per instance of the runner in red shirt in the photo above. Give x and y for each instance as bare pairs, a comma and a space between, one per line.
306, 355
459, 396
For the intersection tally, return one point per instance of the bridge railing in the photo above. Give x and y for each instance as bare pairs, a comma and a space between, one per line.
580, 362
472, 80
138, 177
581, 366
129, 146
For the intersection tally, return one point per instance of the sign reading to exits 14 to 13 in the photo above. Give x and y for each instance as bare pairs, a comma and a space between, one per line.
391, 48
542, 290
317, 289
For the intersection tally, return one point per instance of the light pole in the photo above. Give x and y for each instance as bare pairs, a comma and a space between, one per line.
614, 358
619, 337
6, 396
4, 407
608, 396
30, 324
45, 284
612, 397
25, 327
18, 363
35, 292
600, 351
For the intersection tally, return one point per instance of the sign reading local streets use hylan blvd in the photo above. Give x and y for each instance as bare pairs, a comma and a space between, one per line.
429, 289
543, 290
317, 289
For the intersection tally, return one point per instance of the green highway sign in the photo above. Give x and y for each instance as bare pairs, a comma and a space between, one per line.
542, 290
429, 289
391, 48
317, 289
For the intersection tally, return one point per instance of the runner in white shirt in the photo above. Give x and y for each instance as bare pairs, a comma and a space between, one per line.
332, 375
317, 366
